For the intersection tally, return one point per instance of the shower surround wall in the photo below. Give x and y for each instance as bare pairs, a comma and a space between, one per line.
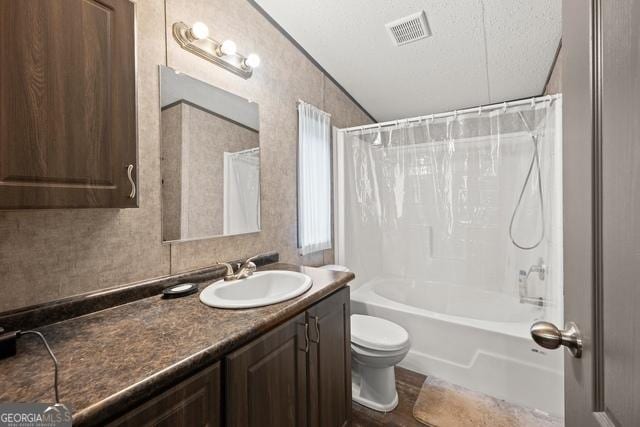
432, 201
46, 255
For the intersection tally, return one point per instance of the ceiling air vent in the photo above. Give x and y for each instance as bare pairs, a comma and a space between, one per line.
409, 29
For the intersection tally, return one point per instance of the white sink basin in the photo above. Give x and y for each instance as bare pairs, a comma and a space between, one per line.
260, 289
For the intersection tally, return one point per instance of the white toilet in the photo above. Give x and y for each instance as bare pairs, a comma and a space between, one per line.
335, 267
377, 345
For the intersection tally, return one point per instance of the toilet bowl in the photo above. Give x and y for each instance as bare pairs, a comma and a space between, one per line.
377, 345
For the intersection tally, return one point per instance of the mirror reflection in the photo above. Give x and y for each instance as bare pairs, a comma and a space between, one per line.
210, 160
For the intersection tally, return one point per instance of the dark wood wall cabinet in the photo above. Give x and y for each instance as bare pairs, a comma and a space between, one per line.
67, 104
298, 374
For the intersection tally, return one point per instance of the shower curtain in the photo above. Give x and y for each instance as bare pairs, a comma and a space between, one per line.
432, 199
242, 191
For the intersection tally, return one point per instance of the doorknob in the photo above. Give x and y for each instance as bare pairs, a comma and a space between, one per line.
547, 335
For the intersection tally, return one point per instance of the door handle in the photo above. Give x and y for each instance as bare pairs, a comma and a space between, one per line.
547, 335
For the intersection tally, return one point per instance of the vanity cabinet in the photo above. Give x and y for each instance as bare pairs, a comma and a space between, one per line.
299, 374
67, 104
193, 402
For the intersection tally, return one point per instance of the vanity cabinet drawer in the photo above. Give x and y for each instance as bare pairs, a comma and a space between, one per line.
193, 402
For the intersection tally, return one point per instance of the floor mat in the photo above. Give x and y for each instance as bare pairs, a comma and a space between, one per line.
441, 404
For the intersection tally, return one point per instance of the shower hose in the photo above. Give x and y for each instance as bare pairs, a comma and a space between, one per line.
535, 162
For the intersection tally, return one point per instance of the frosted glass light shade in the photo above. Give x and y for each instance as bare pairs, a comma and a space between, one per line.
252, 61
228, 47
199, 31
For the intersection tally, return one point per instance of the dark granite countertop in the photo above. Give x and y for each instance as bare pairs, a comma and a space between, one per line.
113, 359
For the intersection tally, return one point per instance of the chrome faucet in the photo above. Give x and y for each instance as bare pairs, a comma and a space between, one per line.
245, 269
523, 286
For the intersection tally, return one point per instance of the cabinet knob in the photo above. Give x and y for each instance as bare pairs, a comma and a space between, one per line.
132, 194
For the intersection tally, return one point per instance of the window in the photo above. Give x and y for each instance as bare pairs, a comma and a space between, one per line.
314, 179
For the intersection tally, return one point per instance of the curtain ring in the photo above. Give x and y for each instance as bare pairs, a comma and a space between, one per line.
431, 118
533, 102
480, 110
504, 107
455, 114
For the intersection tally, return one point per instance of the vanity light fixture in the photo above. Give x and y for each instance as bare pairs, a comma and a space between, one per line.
195, 39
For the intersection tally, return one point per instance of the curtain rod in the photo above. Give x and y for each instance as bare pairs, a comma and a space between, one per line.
534, 100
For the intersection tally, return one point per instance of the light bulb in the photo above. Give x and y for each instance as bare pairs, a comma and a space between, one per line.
252, 61
199, 31
228, 47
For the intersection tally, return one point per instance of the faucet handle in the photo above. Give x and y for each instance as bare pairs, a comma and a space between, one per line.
251, 259
248, 263
229, 267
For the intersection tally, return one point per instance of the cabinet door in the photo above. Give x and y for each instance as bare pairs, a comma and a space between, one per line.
194, 402
330, 361
67, 104
266, 381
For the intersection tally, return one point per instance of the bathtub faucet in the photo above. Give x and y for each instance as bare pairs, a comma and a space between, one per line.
523, 286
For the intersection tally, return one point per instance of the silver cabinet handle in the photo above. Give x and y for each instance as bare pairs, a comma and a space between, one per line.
315, 320
548, 335
132, 194
306, 338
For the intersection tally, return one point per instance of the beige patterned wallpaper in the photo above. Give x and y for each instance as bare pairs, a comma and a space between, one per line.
50, 254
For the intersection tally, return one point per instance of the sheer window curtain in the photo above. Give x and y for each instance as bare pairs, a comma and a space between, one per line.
314, 179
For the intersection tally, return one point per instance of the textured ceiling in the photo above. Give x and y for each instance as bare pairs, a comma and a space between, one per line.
481, 51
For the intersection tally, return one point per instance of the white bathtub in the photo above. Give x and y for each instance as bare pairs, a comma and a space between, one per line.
476, 339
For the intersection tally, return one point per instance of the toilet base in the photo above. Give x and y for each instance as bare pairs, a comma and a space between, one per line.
355, 391
385, 391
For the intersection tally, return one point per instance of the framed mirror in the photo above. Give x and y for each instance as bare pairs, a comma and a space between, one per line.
209, 160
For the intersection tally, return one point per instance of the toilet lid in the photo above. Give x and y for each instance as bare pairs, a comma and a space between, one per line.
376, 333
